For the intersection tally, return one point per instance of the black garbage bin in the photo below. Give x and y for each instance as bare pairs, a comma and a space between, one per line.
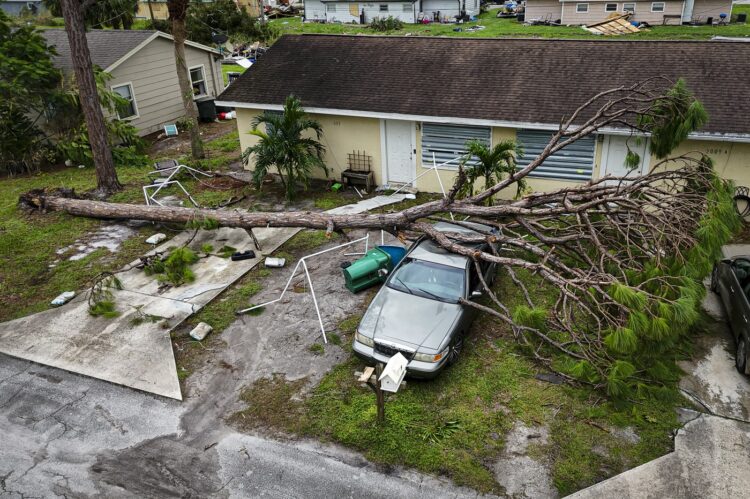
206, 109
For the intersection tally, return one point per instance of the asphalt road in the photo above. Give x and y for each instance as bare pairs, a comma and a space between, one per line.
72, 436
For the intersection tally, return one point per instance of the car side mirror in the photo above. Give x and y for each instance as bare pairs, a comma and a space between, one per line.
476, 294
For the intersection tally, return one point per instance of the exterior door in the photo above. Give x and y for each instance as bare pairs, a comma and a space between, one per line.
615, 150
399, 151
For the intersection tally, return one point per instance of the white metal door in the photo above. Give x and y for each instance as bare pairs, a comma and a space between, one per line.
615, 151
399, 151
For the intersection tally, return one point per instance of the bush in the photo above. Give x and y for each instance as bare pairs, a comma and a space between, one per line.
389, 23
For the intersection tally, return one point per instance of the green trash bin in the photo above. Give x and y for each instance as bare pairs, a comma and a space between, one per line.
364, 272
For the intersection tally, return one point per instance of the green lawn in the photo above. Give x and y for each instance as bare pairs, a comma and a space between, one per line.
498, 28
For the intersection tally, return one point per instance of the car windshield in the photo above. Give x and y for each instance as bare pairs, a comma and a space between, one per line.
430, 280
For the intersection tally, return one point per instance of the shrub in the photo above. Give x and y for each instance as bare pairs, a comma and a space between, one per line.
389, 23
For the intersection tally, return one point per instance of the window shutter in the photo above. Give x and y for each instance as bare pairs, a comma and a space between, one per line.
574, 162
449, 141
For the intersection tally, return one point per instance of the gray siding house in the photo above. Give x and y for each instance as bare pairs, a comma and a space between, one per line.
650, 11
408, 11
142, 65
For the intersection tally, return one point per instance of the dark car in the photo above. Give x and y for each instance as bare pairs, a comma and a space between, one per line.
730, 279
417, 312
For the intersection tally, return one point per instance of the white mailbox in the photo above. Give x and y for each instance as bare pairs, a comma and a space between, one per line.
393, 373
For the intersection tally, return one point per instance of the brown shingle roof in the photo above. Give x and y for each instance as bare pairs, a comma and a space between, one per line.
515, 80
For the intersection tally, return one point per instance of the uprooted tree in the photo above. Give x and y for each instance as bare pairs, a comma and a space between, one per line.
622, 256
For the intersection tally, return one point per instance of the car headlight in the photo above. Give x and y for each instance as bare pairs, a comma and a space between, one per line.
430, 357
365, 340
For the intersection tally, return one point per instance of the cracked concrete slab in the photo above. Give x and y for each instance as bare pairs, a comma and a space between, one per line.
520, 475
122, 350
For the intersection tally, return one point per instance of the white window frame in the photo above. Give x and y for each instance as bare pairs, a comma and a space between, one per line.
578, 8
204, 80
132, 96
406, 7
608, 4
625, 9
663, 6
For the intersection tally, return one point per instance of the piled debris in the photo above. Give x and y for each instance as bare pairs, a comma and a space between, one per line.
616, 24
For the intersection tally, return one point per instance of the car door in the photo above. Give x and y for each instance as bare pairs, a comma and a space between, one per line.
727, 287
738, 309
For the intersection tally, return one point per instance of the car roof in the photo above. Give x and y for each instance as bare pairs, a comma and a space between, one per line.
427, 250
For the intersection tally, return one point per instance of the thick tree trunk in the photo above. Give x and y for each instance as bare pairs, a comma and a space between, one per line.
177, 13
106, 175
150, 10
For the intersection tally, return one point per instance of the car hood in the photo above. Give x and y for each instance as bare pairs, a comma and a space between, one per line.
410, 320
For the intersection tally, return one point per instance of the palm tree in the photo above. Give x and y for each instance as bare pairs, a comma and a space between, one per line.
490, 163
283, 146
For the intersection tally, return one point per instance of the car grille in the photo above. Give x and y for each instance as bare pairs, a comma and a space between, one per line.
390, 351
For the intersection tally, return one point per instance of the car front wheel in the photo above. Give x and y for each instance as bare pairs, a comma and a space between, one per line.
455, 349
741, 356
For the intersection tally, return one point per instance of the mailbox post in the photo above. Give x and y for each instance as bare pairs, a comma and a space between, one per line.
381, 379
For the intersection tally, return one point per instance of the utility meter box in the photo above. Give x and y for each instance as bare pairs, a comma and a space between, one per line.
393, 373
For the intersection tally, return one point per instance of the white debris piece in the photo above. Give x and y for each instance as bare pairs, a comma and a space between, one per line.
156, 238
200, 331
62, 298
275, 262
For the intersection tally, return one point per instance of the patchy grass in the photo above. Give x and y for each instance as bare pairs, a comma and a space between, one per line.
306, 240
327, 200
455, 424
220, 312
510, 28
316, 348
28, 242
272, 404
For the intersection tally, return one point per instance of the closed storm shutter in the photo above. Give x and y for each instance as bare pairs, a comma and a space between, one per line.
448, 142
574, 162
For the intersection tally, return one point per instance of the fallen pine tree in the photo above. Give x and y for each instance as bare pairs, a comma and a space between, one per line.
626, 255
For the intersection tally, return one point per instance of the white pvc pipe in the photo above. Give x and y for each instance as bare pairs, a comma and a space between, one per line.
302, 261
440, 181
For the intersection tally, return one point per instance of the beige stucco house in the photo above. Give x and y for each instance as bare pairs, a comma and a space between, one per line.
402, 101
652, 12
142, 66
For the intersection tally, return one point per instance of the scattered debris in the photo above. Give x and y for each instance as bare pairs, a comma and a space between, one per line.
555, 379
200, 331
614, 25
156, 238
63, 298
243, 255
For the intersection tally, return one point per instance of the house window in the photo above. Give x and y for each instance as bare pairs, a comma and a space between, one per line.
582, 7
657, 6
628, 7
610, 7
448, 142
198, 80
128, 109
383, 7
406, 7
574, 162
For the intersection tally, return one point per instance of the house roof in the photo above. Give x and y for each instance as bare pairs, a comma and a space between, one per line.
108, 47
517, 82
